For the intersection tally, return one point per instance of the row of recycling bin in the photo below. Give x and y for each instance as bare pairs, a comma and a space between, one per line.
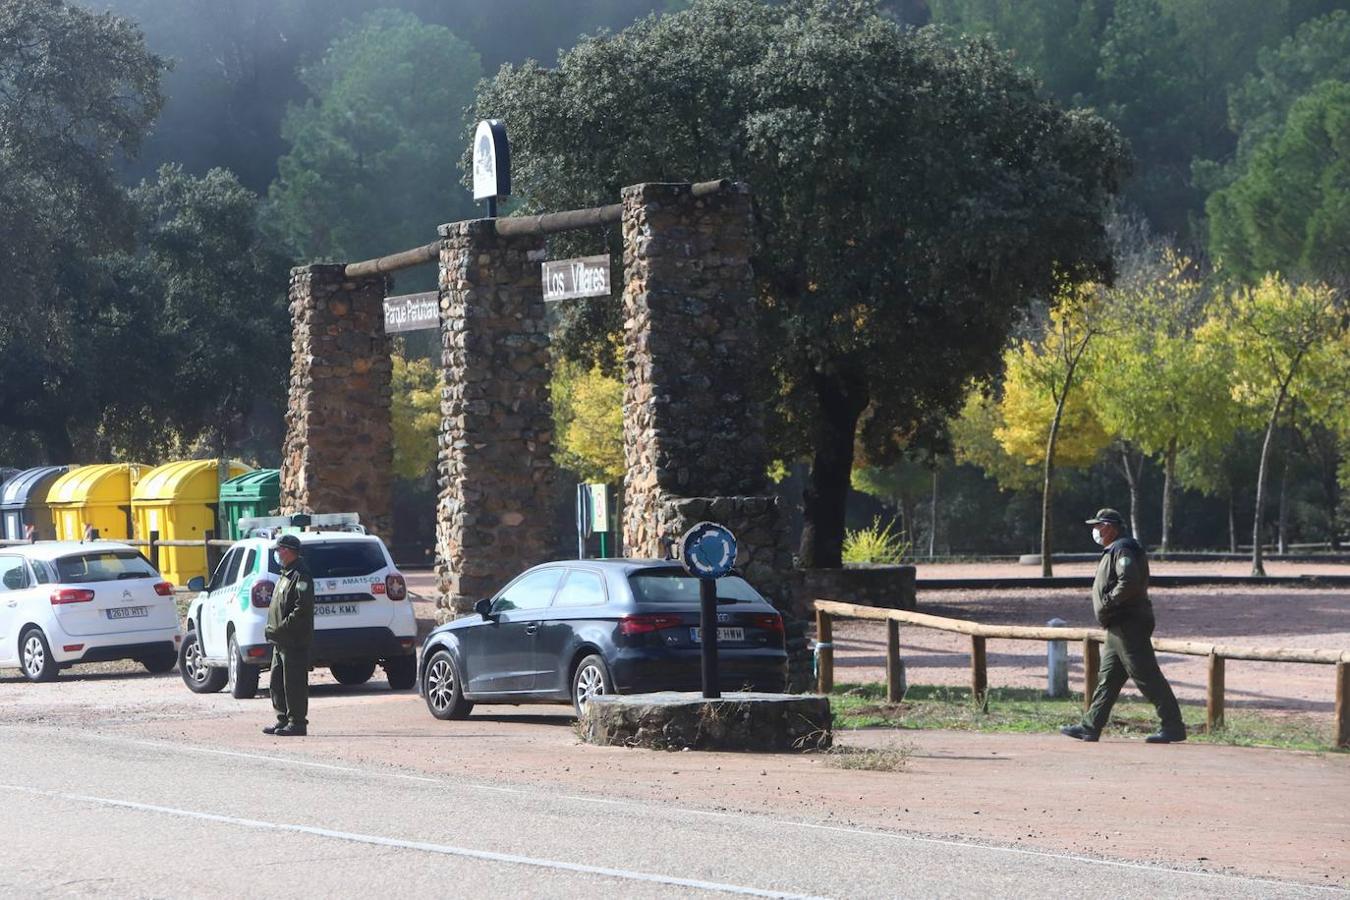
178, 501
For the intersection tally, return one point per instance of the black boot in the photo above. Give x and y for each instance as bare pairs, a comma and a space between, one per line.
291, 730
1080, 733
273, 729
1173, 735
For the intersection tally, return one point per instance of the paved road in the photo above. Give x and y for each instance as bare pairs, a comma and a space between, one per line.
110, 814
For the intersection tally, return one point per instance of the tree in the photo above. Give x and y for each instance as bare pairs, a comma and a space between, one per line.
370, 169
1161, 389
1290, 209
415, 409
76, 90
588, 420
1045, 410
902, 226
1286, 339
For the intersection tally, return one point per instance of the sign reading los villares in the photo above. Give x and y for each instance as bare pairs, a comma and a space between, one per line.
567, 279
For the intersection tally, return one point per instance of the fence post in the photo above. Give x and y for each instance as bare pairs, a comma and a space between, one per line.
212, 553
979, 676
1056, 664
154, 550
1343, 703
1092, 663
1214, 697
824, 653
896, 684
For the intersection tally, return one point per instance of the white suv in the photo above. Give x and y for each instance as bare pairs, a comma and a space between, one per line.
67, 602
362, 615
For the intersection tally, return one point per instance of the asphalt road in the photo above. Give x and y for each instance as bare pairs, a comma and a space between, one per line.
87, 813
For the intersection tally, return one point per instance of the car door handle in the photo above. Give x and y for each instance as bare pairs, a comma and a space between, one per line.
532, 628
13, 603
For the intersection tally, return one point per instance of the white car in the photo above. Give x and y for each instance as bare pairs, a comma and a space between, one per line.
68, 602
362, 614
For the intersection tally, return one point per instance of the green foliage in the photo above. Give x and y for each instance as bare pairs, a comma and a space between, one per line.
1290, 208
878, 545
588, 422
370, 169
415, 386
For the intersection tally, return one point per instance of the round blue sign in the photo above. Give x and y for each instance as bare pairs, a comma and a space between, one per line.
708, 550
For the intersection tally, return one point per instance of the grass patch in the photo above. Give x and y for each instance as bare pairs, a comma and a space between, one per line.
886, 759
1027, 710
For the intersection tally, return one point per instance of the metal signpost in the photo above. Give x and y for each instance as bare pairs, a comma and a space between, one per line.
568, 279
491, 164
412, 312
708, 551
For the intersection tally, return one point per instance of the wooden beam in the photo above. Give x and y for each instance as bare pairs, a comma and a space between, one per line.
1092, 664
1214, 695
895, 672
1343, 703
824, 653
979, 670
405, 259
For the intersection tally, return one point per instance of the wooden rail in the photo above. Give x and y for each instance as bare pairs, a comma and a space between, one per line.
1091, 638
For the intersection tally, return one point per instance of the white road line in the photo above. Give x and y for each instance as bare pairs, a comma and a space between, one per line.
442, 849
452, 781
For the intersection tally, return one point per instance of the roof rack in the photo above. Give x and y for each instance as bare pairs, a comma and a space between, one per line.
272, 526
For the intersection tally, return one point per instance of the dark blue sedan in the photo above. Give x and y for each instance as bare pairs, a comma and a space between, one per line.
563, 632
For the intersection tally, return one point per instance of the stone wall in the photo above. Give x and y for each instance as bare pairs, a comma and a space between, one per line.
494, 515
694, 440
339, 451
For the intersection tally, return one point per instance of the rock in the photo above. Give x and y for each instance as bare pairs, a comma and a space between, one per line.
736, 721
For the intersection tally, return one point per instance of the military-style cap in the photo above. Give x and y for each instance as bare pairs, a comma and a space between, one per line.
1106, 517
289, 541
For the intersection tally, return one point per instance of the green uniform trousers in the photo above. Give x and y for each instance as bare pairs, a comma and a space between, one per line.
290, 684
1128, 653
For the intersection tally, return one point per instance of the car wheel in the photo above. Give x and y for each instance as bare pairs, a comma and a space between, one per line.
353, 672
197, 675
242, 677
401, 671
158, 665
442, 690
35, 657
591, 679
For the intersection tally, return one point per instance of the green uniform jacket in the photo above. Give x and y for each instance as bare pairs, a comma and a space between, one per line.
1120, 590
290, 621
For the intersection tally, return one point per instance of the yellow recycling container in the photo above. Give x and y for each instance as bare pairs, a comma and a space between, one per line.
178, 501
97, 497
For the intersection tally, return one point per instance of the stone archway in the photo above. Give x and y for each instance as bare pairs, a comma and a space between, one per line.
693, 438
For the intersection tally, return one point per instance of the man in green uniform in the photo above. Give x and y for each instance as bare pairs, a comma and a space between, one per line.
290, 628
1120, 602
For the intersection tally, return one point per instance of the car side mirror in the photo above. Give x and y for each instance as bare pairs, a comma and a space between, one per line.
483, 608
196, 584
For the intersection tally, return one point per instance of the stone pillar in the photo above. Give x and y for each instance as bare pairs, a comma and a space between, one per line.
339, 452
695, 383
494, 516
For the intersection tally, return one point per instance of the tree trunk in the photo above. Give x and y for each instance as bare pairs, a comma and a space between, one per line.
1047, 550
1232, 521
1262, 471
1282, 541
1133, 476
1169, 482
933, 517
825, 499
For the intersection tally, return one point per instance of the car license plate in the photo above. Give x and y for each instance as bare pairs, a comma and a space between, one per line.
723, 634
335, 609
128, 612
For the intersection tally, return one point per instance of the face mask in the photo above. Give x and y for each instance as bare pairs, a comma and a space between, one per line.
277, 556
1097, 537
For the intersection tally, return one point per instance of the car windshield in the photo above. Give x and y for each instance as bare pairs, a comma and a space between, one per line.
337, 559
103, 565
676, 586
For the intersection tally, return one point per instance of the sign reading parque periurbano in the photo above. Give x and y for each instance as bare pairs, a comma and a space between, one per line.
568, 279
412, 312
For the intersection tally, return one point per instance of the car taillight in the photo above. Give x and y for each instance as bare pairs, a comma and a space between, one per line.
396, 586
772, 622
164, 589
261, 595
647, 623
71, 595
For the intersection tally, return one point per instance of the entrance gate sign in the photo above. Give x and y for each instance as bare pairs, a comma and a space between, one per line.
568, 279
491, 161
412, 312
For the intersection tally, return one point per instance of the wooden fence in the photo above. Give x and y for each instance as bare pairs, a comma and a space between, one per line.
1090, 638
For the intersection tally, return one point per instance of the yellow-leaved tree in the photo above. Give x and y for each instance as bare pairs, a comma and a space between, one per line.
415, 386
588, 422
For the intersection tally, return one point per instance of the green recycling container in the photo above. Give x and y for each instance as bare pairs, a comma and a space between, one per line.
257, 493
